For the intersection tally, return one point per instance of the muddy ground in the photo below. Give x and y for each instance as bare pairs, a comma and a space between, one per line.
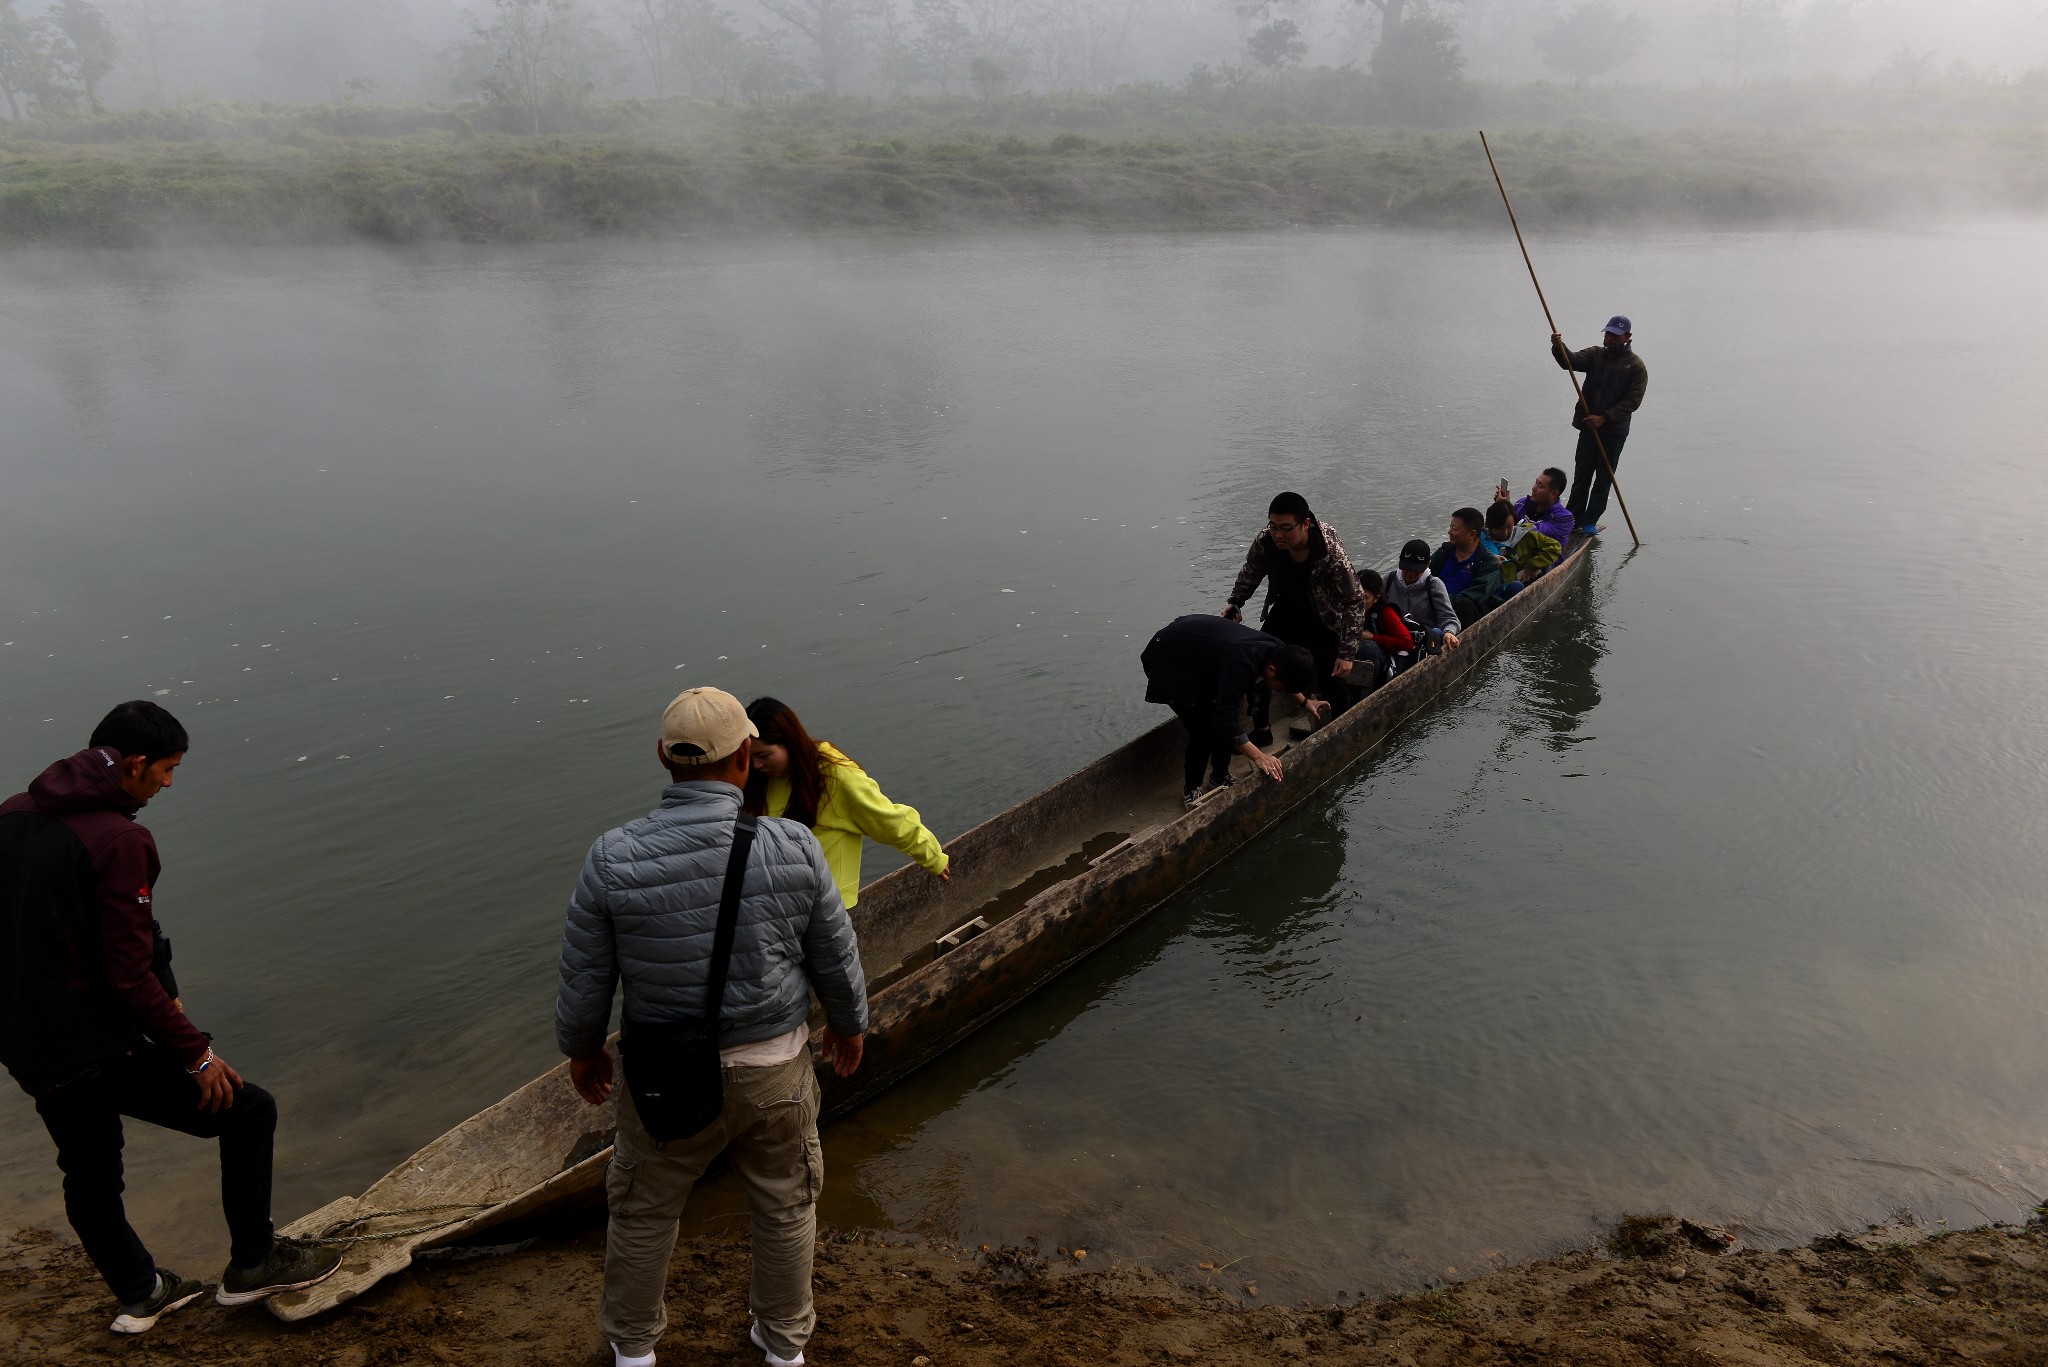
1663, 1292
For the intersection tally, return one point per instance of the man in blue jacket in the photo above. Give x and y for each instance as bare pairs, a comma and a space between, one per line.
643, 915
1470, 572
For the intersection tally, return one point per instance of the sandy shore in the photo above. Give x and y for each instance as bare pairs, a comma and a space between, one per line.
1662, 1292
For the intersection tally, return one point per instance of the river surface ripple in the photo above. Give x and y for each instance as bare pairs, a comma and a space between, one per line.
1720, 891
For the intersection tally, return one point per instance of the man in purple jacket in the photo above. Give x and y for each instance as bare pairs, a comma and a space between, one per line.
92, 1028
1543, 506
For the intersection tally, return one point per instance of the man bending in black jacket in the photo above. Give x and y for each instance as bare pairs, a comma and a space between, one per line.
92, 1028
1200, 666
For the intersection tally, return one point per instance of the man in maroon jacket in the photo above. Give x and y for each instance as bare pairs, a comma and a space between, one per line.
92, 1028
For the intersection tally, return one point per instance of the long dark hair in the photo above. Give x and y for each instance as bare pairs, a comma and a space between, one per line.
778, 725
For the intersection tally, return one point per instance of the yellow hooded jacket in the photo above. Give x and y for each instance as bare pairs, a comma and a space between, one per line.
854, 806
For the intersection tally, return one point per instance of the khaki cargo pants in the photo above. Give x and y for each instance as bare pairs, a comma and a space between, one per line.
770, 1128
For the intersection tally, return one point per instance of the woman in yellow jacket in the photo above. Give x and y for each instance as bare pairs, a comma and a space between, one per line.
812, 782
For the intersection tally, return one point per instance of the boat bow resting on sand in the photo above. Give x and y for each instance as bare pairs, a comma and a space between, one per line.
1034, 890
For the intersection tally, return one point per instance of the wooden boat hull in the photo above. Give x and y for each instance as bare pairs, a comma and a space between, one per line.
1028, 874
917, 1018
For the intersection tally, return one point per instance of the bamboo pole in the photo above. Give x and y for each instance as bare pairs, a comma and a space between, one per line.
1577, 391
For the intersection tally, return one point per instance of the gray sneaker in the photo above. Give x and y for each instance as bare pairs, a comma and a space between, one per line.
290, 1266
172, 1291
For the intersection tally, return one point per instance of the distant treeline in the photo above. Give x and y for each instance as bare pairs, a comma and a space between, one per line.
1138, 159
1330, 97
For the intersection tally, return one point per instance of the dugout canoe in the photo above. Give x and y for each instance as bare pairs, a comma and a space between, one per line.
1034, 890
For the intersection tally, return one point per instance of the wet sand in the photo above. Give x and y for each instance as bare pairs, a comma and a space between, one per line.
1660, 1292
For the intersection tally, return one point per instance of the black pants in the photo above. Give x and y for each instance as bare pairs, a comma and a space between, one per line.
1590, 483
1321, 643
1204, 750
83, 1117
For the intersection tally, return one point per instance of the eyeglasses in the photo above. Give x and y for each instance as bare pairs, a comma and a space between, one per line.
1283, 528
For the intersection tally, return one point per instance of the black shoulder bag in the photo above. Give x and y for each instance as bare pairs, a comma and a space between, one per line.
672, 1068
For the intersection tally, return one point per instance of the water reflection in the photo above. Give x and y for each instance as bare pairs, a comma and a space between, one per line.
918, 1156
1270, 918
1558, 654
1424, 1020
833, 402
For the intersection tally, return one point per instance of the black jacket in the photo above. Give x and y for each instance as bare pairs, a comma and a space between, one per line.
1206, 659
1614, 384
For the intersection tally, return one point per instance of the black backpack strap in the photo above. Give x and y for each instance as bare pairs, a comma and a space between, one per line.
728, 921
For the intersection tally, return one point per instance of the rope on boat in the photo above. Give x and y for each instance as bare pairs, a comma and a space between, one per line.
334, 1236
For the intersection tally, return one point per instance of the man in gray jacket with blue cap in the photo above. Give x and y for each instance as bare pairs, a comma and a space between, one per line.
644, 914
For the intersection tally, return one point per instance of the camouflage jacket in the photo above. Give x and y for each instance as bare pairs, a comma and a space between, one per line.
1332, 584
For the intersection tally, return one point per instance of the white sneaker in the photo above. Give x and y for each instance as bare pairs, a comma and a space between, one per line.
754, 1333
619, 1359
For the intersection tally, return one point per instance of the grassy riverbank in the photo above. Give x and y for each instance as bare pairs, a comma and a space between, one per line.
244, 175
1657, 1295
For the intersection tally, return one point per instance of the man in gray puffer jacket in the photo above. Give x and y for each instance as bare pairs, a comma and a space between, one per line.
645, 912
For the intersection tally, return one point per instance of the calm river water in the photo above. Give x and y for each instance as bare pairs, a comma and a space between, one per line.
1721, 892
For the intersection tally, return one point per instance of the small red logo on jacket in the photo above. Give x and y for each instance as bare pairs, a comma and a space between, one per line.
142, 895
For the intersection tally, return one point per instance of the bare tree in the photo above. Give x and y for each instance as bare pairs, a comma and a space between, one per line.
716, 58
1084, 42
989, 77
899, 59
1420, 68
838, 29
1244, 15
1905, 69
656, 29
91, 45
1591, 40
1391, 12
1003, 31
687, 46
154, 33
945, 45
1745, 34
535, 50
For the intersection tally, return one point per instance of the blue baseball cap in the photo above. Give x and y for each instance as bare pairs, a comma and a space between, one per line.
1618, 325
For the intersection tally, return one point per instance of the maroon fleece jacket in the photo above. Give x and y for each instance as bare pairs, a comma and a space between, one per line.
85, 793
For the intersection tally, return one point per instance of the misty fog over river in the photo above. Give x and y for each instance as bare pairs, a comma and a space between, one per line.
1720, 891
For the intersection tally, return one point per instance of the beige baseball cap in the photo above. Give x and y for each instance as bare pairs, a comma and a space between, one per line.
703, 726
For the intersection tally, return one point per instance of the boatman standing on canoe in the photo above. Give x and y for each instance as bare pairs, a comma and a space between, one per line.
1615, 380
92, 1027
646, 911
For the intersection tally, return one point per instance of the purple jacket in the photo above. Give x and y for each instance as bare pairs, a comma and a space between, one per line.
1557, 525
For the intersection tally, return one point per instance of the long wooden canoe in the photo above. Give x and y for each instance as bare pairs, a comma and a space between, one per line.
1033, 890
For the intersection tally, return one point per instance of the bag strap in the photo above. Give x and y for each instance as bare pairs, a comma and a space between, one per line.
728, 921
